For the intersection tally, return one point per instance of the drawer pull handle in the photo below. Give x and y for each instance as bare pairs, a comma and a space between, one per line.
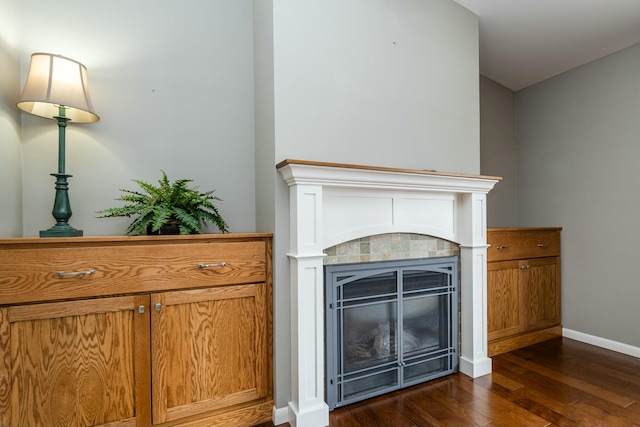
74, 273
502, 247
525, 267
221, 264
543, 245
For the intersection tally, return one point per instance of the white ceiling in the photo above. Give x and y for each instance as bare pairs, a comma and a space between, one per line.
523, 42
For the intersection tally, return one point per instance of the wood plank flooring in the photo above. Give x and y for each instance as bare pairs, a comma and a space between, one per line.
561, 382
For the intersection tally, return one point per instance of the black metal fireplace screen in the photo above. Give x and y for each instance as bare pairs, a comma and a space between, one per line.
389, 325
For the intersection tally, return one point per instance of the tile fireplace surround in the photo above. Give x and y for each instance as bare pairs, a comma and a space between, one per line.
335, 203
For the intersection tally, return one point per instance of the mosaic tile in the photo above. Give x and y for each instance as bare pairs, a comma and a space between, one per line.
391, 246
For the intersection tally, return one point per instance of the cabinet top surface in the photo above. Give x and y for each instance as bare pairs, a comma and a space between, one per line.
514, 229
13, 243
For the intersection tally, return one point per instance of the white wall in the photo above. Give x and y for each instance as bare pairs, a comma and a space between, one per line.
173, 85
10, 147
266, 181
377, 82
578, 160
498, 152
369, 82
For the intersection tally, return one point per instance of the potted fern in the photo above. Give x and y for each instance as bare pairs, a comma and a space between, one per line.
167, 208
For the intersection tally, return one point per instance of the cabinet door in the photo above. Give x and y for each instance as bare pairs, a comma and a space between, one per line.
209, 350
541, 280
75, 363
505, 315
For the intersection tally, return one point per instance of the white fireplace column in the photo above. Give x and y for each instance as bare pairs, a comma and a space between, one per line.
471, 219
333, 203
307, 407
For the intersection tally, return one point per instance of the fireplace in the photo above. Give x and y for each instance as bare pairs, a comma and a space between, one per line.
334, 203
389, 325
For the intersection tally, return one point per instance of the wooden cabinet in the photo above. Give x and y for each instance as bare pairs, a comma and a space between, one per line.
523, 287
222, 364
74, 363
162, 330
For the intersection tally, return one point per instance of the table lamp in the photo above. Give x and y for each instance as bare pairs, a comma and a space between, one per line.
57, 89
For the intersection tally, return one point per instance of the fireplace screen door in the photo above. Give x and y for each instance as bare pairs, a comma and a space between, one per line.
389, 325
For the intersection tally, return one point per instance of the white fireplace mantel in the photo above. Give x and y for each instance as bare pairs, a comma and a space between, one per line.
334, 203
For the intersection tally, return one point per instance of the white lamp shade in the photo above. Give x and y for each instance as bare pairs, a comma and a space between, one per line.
53, 82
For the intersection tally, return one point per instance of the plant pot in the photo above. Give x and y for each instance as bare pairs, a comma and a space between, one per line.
172, 227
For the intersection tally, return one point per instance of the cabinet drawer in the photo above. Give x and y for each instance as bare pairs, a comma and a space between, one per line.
522, 243
34, 274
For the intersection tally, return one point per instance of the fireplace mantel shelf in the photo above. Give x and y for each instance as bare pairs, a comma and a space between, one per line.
383, 169
359, 176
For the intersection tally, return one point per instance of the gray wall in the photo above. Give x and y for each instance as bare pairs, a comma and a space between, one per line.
173, 85
498, 152
578, 154
267, 180
10, 148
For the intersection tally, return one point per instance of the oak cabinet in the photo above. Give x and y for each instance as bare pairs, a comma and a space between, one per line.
162, 330
505, 299
74, 363
523, 287
221, 363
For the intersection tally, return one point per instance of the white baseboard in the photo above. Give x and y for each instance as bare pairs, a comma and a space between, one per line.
602, 342
280, 415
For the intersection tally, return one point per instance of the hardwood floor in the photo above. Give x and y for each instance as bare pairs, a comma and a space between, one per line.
561, 382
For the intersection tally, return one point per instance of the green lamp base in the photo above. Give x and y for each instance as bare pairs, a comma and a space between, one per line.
59, 230
61, 207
